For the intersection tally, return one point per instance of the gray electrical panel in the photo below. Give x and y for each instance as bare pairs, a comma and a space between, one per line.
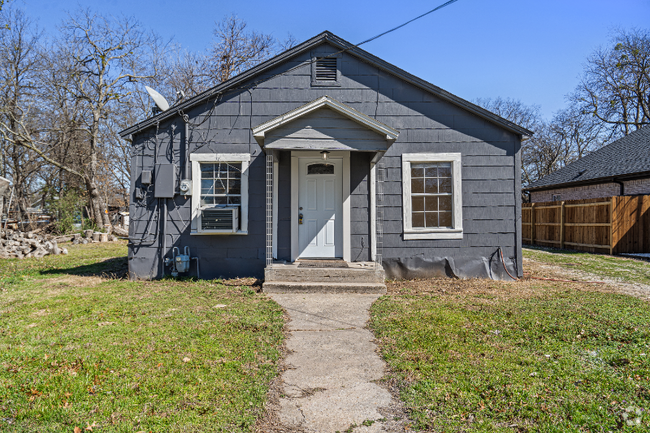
165, 181
146, 177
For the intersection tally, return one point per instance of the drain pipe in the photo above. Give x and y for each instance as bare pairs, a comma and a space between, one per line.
163, 227
198, 271
186, 168
622, 185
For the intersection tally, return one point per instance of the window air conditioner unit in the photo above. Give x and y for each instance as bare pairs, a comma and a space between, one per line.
224, 219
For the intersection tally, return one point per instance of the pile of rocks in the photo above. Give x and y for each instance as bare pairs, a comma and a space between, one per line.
23, 245
91, 236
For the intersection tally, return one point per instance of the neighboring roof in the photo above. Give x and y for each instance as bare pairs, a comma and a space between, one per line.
325, 101
349, 48
625, 158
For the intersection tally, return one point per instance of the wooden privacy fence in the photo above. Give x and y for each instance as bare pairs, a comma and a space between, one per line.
605, 225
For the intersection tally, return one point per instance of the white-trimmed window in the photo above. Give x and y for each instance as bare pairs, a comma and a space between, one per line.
220, 193
431, 196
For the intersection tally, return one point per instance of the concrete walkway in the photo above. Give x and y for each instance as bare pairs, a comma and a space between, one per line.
332, 367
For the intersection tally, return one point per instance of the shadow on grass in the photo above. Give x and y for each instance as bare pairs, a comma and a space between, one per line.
115, 268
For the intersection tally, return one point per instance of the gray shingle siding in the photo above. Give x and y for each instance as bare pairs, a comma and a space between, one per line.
426, 123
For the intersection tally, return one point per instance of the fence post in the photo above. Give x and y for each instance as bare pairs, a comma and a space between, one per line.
611, 225
532, 223
562, 225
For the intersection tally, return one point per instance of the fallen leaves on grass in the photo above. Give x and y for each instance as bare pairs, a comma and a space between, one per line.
251, 282
459, 344
105, 323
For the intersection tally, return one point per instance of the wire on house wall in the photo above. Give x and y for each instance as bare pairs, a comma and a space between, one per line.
204, 139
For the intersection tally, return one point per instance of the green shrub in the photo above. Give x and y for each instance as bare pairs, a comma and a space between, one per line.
67, 210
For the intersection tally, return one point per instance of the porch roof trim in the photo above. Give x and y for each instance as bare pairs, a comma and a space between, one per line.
259, 132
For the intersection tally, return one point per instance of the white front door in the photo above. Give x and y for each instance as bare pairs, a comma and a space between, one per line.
320, 208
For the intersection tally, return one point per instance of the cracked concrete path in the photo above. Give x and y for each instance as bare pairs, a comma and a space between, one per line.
332, 367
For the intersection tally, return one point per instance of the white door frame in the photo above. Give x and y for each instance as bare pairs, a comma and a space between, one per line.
345, 155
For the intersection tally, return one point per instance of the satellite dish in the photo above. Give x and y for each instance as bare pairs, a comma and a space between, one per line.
159, 99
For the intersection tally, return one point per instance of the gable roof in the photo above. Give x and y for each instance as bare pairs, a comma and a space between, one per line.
389, 133
627, 157
349, 48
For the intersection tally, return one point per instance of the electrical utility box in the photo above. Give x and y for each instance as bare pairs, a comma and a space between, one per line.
165, 183
145, 177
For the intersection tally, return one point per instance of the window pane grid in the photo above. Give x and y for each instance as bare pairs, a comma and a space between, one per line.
431, 195
221, 184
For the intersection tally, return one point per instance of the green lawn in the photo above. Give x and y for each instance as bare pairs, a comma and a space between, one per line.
529, 356
624, 269
77, 350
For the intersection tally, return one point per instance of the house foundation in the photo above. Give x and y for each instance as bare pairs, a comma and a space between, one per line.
308, 277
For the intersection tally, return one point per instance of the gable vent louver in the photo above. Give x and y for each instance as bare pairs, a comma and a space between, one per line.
326, 69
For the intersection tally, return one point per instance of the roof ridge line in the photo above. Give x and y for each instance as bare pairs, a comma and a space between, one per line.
327, 36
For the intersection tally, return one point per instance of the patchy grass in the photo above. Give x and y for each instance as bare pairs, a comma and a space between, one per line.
623, 269
527, 356
79, 349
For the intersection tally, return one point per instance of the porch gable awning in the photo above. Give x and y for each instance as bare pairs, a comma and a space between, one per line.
325, 124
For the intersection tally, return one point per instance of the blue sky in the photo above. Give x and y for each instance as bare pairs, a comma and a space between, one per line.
533, 51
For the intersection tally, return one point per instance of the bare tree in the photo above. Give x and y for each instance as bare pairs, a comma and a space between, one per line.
105, 53
536, 156
189, 72
288, 43
571, 134
236, 49
577, 132
20, 65
95, 65
3, 22
514, 110
615, 87
91, 70
90, 87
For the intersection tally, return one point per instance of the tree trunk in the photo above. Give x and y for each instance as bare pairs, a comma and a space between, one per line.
22, 207
97, 205
20, 195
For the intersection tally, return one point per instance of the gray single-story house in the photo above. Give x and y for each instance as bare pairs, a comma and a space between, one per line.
325, 152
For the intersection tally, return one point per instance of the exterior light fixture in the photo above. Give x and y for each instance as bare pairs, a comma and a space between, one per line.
324, 154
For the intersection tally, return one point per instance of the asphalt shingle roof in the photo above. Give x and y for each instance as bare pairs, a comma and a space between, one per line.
306, 46
623, 157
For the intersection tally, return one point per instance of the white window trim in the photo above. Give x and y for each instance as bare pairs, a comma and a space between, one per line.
456, 232
197, 159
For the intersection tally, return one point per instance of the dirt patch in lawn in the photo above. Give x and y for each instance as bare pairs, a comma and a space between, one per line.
536, 270
550, 278
237, 282
74, 281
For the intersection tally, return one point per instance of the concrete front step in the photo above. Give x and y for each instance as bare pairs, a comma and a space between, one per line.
356, 273
322, 287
